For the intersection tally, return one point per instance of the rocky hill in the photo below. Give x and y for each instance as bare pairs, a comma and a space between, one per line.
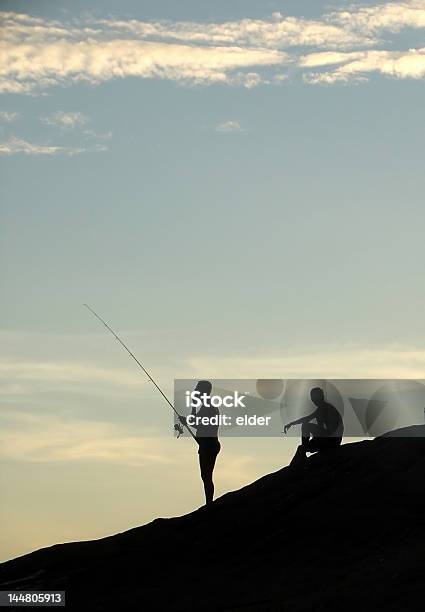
343, 531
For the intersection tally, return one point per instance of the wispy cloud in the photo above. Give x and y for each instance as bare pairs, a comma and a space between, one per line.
374, 19
36, 379
38, 53
228, 126
66, 119
44, 438
15, 146
35, 363
89, 133
76, 121
358, 65
278, 32
32, 438
60, 372
8, 116
352, 362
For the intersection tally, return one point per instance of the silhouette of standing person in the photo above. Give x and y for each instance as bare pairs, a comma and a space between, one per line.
207, 438
325, 434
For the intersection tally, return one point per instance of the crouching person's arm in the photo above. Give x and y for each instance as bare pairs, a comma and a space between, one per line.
300, 421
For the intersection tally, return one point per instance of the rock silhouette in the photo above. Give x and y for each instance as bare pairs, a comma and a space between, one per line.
341, 531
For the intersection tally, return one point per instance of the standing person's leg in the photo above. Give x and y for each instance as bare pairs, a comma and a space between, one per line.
206, 464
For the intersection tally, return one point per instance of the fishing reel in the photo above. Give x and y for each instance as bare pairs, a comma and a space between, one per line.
179, 429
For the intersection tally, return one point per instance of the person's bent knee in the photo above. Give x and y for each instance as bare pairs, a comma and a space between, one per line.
305, 429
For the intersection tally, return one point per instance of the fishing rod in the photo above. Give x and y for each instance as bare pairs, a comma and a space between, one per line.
143, 368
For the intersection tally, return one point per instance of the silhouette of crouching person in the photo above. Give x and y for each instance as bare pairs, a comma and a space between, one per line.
323, 435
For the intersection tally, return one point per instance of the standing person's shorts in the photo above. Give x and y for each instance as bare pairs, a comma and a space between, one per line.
209, 446
323, 443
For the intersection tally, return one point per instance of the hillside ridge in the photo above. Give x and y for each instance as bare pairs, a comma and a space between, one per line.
341, 530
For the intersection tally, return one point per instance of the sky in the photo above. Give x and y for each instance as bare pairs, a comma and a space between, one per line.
237, 187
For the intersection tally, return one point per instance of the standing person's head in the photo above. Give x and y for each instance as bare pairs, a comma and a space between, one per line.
317, 396
204, 387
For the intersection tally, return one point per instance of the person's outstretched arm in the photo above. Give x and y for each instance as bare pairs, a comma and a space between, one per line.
302, 420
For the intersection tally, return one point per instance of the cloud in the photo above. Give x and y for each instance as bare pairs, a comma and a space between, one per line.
94, 62
278, 32
356, 66
15, 145
60, 372
8, 116
326, 58
45, 438
41, 363
249, 79
98, 135
33, 438
42, 389
352, 362
66, 119
228, 126
390, 16
34, 363
37, 53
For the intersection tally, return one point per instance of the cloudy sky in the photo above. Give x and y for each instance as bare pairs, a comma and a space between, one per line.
237, 187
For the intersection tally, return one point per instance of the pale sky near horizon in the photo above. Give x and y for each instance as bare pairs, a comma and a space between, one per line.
237, 187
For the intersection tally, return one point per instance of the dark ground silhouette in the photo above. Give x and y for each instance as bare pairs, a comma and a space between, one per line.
342, 531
